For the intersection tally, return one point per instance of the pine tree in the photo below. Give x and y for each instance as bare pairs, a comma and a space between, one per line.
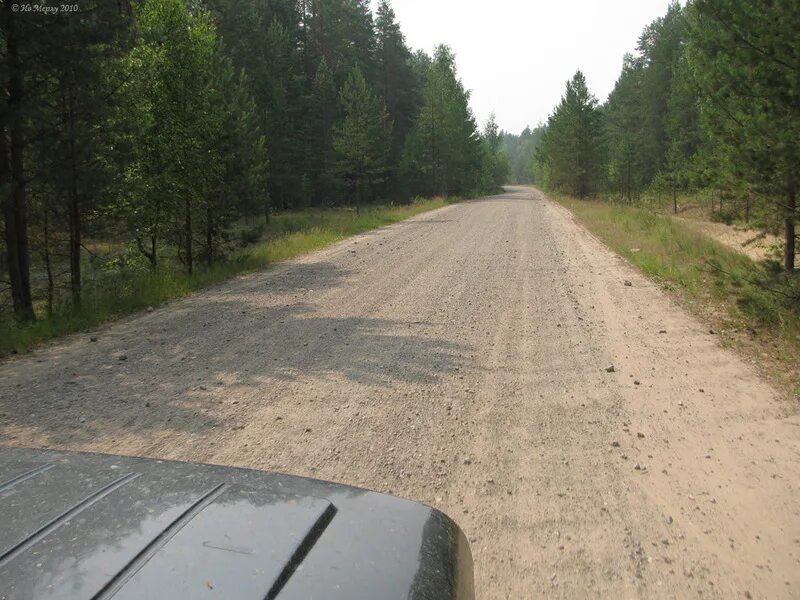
236, 158
443, 150
59, 80
659, 51
360, 136
745, 62
321, 118
13, 181
278, 95
624, 127
683, 130
75, 158
396, 82
341, 32
651, 102
571, 146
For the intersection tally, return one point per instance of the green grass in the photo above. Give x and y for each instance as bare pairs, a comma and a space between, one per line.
755, 303
704, 204
288, 235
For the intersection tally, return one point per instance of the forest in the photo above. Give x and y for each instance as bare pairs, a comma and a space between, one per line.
520, 152
152, 135
708, 106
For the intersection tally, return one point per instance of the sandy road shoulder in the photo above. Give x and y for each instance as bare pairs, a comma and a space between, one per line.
708, 443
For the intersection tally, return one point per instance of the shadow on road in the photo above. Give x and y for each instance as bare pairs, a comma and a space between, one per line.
170, 369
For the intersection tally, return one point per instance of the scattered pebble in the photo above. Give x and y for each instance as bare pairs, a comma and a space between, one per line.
610, 368
628, 283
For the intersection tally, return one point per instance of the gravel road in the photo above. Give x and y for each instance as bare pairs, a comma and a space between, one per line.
460, 359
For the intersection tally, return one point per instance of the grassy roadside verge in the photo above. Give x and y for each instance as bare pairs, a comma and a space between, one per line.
287, 235
753, 306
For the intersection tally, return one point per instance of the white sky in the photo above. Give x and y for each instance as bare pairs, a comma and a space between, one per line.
516, 55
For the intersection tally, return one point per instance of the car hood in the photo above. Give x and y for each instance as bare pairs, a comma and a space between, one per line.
77, 525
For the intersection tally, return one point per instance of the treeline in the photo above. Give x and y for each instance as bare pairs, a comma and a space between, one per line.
155, 125
710, 99
521, 152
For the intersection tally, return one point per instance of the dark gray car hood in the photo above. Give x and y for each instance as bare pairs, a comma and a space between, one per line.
75, 525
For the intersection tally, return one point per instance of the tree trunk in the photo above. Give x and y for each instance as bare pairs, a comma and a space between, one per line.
74, 223
48, 265
358, 193
153, 254
188, 233
747, 202
154, 239
209, 236
12, 174
74, 218
674, 201
434, 180
628, 183
789, 230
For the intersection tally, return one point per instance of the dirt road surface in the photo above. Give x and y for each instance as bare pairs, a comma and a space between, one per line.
460, 359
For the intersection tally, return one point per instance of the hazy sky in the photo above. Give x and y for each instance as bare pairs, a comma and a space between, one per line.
516, 55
